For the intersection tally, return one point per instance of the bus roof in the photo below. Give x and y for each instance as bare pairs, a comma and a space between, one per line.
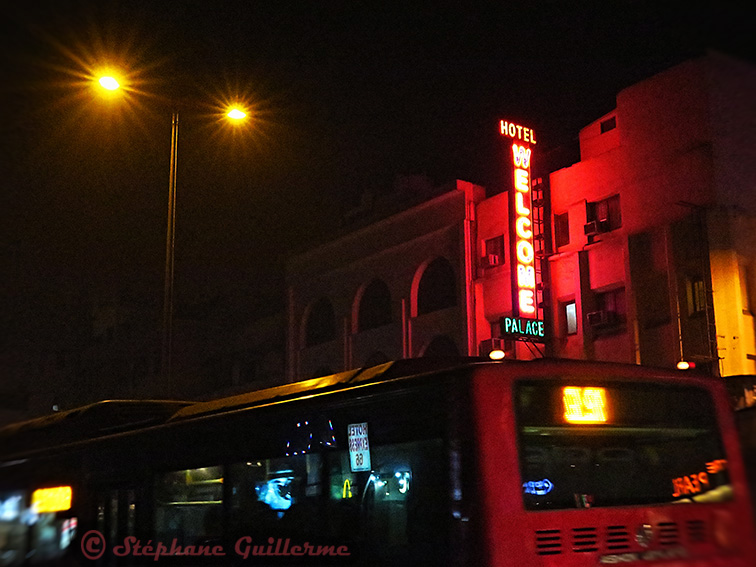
385, 371
86, 422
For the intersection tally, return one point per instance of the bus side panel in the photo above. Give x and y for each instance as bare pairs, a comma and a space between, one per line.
500, 492
742, 525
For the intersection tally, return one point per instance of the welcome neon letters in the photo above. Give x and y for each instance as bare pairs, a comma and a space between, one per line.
525, 253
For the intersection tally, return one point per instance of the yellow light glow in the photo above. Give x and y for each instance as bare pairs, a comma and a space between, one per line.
497, 354
584, 405
109, 83
54, 499
683, 365
236, 114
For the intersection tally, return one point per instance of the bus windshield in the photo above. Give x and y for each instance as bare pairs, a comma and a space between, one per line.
585, 444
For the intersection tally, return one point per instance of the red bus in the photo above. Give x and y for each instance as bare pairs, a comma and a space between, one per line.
541, 463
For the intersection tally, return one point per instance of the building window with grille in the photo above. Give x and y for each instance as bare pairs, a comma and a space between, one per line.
610, 314
602, 216
696, 293
561, 230
492, 253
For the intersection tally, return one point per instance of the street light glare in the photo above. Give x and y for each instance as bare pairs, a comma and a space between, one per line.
109, 83
236, 114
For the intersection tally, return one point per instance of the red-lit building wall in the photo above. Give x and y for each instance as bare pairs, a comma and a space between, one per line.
669, 177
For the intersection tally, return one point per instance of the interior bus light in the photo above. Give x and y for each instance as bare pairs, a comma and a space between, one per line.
56, 499
584, 405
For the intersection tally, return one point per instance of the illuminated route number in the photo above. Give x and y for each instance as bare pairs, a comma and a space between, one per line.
584, 405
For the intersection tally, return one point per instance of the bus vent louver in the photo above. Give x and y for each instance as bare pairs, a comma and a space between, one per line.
697, 531
668, 534
584, 540
548, 542
617, 538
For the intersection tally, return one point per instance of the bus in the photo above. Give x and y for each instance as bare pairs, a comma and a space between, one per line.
413, 462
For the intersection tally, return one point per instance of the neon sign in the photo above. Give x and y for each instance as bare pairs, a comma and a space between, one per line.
517, 132
518, 327
525, 278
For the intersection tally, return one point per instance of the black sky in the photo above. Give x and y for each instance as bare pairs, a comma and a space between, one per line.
346, 96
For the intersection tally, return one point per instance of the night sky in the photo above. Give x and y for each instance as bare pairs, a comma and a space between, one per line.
344, 96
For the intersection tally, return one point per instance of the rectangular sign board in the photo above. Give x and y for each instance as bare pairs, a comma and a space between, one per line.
359, 447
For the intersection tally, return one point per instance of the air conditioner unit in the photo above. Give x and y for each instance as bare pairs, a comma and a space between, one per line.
491, 260
591, 228
601, 318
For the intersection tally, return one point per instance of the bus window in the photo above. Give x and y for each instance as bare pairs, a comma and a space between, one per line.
397, 509
189, 505
277, 497
652, 444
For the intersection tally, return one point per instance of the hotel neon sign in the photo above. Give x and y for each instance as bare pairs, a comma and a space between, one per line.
525, 279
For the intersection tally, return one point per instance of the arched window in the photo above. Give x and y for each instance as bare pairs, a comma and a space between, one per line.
441, 346
375, 306
437, 288
321, 323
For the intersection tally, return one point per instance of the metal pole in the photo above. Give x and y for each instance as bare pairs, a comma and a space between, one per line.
170, 241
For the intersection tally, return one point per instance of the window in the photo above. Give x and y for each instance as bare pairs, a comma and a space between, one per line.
437, 288
569, 314
493, 252
608, 124
189, 505
561, 230
602, 216
375, 306
610, 312
696, 293
655, 437
321, 324
300, 481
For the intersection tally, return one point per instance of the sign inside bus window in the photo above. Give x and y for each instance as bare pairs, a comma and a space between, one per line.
538, 487
584, 405
697, 482
56, 499
359, 447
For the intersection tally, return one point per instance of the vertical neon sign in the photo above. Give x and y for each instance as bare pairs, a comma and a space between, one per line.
524, 275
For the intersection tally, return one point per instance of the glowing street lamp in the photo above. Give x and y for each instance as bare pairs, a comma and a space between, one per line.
109, 83
236, 114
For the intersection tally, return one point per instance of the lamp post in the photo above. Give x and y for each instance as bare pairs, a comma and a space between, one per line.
166, 359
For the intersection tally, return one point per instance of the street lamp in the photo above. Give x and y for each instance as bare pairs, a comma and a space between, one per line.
234, 113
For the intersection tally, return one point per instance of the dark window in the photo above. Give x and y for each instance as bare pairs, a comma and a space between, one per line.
298, 480
437, 289
562, 229
603, 216
321, 324
189, 505
610, 314
493, 252
375, 306
696, 295
441, 346
608, 124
